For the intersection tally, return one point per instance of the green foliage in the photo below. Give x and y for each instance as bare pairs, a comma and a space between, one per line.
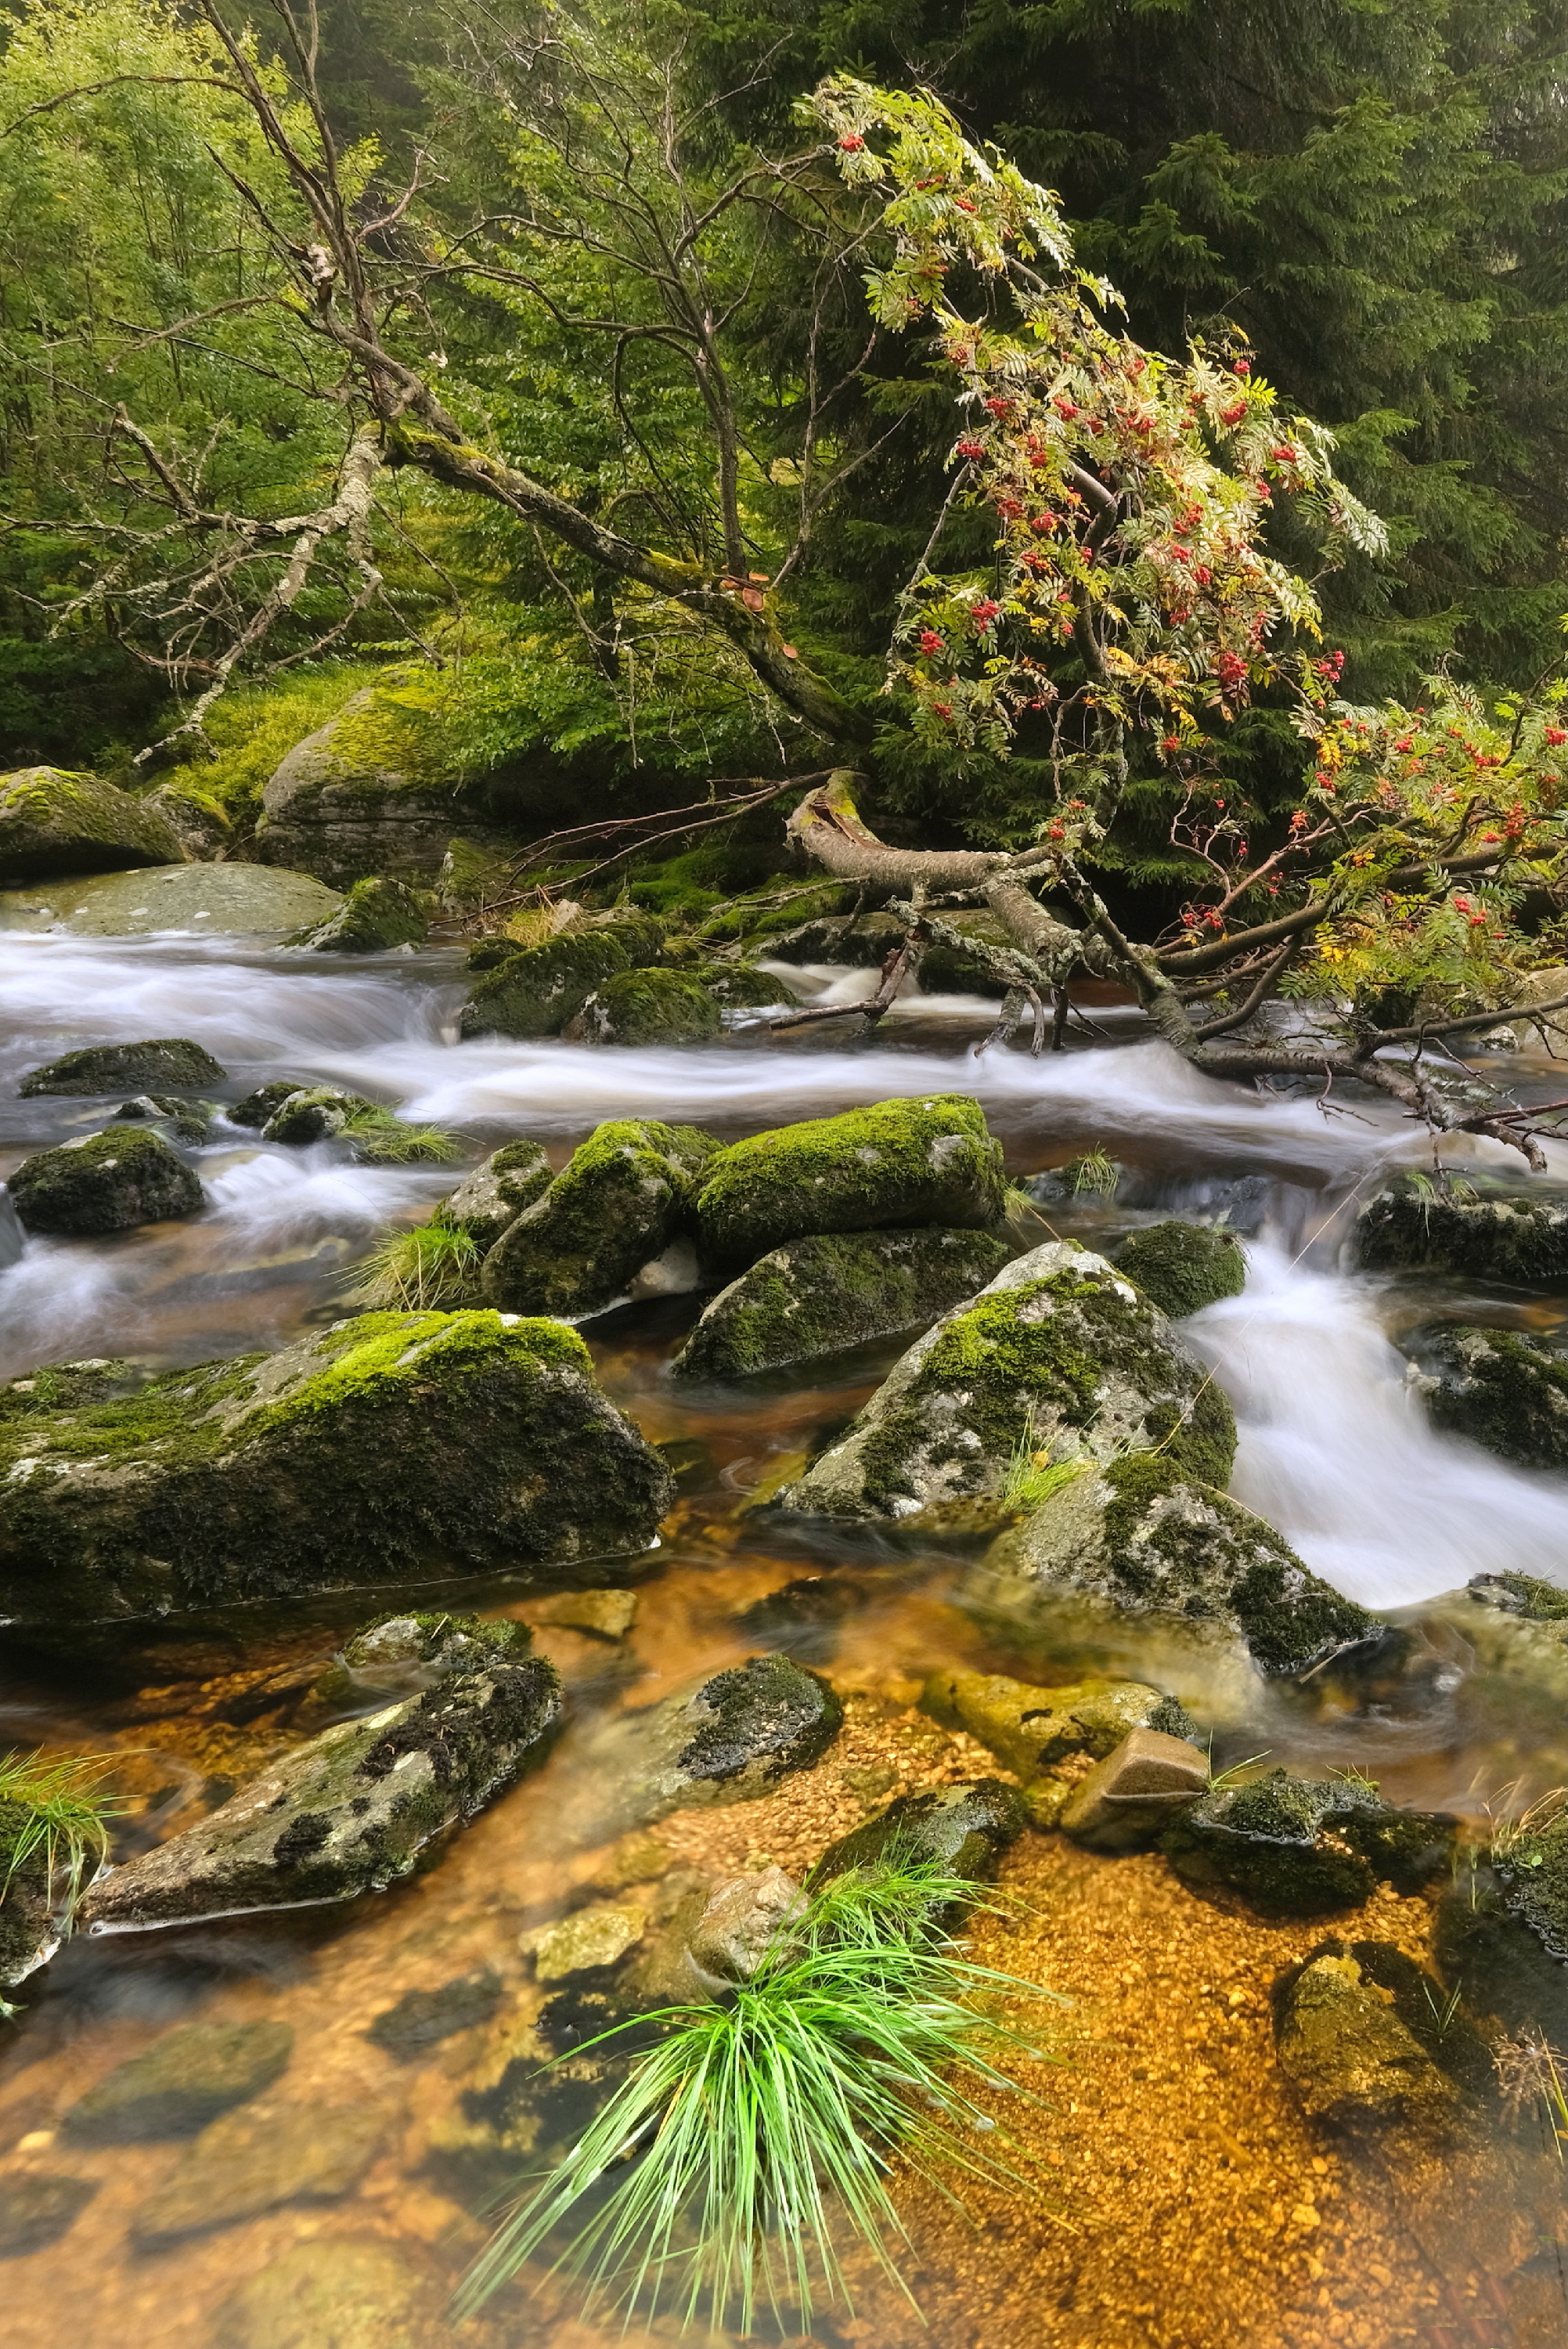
383, 1139
1033, 1476
1094, 1171
432, 1269
65, 1817
761, 2129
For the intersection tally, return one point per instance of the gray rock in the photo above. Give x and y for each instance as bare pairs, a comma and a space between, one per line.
199, 824
1295, 1846
332, 807
1031, 1729
1141, 1534
38, 2208
159, 1064
208, 900
259, 1109
1408, 1225
963, 1830
1497, 1387
893, 1164
422, 2019
55, 821
1352, 2063
348, 1812
495, 1193
1132, 1795
107, 1182
180, 2082
191, 1121
1183, 1266
392, 1448
650, 1008
319, 1113
251, 2160
378, 914
363, 2295
1058, 1356
819, 1295
729, 1737
612, 1209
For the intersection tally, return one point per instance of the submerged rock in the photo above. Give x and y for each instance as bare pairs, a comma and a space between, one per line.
1496, 1387
398, 1655
377, 914
1293, 1845
1410, 1226
805, 1616
1183, 1266
1495, 1956
819, 1295
1032, 1729
1354, 2065
251, 2160
423, 2018
965, 1829
109, 1182
392, 1446
363, 2295
159, 1064
1135, 1793
590, 1941
897, 1163
1060, 1353
38, 2208
348, 1812
180, 2082
536, 991
1143, 1533
495, 1193
54, 821
651, 1007
609, 1212
600, 1614
729, 1737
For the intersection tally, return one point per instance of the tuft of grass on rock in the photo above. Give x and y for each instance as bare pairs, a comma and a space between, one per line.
55, 1810
757, 2132
430, 1269
383, 1139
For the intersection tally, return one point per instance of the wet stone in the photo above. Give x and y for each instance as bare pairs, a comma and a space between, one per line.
250, 2160
259, 1109
744, 1919
729, 1738
805, 1616
348, 2292
157, 1064
615, 1208
1497, 1387
398, 1655
1032, 1729
38, 2208
107, 1183
1131, 1796
602, 1614
180, 2082
1183, 1266
589, 1943
965, 1829
1296, 1845
1501, 1967
423, 2018
1411, 1226
495, 1192
1353, 2064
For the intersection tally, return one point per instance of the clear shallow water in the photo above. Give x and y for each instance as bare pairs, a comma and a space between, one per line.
1334, 1449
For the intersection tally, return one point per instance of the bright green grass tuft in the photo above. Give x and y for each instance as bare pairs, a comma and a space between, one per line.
1095, 1171
384, 1139
1033, 1476
755, 2134
432, 1269
65, 1816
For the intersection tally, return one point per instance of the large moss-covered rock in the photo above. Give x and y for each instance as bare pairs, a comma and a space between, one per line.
495, 1193
1032, 1729
348, 1812
535, 990
207, 900
1295, 1846
1495, 1386
897, 1163
55, 821
651, 1007
337, 805
392, 1447
741, 987
1353, 2063
107, 1183
1409, 1226
834, 1290
614, 1208
1183, 1266
1145, 1533
1059, 1354
378, 914
157, 1064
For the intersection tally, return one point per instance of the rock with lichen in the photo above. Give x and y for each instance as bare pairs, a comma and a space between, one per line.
1143, 1534
350, 1812
1059, 1357
1031, 1729
1497, 1387
892, 1166
107, 1182
1411, 1225
494, 1194
378, 914
1295, 1845
53, 820
614, 1208
1183, 1266
648, 1008
816, 1295
398, 1655
391, 1448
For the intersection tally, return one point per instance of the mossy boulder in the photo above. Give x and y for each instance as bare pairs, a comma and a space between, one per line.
340, 804
348, 1812
394, 1447
832, 1289
615, 1208
398, 1655
180, 2082
28, 1929
108, 1182
965, 1829
1143, 1532
378, 914
1183, 1266
189, 1120
1411, 1227
55, 821
535, 990
1059, 1354
741, 987
1031, 1729
317, 1113
258, 1108
651, 1007
1295, 1846
1353, 2063
1496, 1387
495, 1193
897, 1163
157, 1064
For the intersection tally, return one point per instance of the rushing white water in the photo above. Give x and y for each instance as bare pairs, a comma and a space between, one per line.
1338, 1452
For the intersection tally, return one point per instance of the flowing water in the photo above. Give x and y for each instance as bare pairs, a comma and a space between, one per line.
1199, 2237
